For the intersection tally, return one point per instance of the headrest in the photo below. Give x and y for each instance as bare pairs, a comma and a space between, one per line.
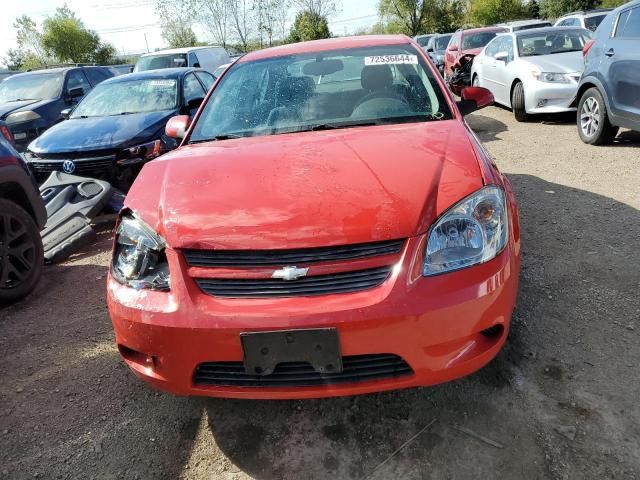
376, 77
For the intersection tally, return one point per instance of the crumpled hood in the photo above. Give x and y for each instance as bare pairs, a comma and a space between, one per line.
8, 107
120, 131
307, 189
558, 62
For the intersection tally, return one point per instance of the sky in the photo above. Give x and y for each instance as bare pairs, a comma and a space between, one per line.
132, 25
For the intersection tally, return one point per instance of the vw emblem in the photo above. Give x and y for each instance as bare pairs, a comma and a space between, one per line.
290, 273
68, 166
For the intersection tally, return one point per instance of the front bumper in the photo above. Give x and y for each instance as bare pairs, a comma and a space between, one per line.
542, 97
433, 323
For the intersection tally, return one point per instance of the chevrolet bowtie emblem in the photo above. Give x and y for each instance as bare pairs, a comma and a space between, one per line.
290, 273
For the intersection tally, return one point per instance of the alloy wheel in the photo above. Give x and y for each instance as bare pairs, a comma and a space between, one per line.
590, 117
17, 251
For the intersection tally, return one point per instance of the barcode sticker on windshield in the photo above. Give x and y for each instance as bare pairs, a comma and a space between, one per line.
163, 83
391, 59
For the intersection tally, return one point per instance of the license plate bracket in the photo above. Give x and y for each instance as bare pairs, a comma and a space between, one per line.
263, 351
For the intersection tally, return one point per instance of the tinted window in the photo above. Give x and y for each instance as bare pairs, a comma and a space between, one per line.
192, 88
193, 59
75, 79
134, 96
493, 47
560, 41
477, 40
629, 24
154, 62
422, 41
31, 86
455, 41
373, 85
442, 42
207, 79
592, 22
97, 75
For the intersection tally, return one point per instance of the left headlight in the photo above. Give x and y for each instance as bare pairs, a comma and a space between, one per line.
143, 152
471, 232
139, 258
551, 77
19, 117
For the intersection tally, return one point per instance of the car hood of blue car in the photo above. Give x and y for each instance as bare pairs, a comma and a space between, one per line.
101, 133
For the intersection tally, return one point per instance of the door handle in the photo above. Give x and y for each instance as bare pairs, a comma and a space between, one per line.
610, 53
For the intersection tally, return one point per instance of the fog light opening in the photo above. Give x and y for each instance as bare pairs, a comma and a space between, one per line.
145, 360
542, 103
494, 331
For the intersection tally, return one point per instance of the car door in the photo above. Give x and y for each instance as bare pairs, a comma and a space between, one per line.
206, 79
621, 66
76, 79
487, 64
503, 69
451, 55
192, 91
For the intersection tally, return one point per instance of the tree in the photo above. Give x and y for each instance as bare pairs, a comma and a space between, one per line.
612, 3
14, 60
534, 9
409, 12
240, 12
489, 12
309, 26
214, 16
176, 21
557, 8
413, 17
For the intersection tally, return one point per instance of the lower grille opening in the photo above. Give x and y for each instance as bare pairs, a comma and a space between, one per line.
356, 368
494, 331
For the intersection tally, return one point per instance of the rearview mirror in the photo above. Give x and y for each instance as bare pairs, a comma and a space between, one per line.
322, 67
177, 126
501, 57
64, 114
474, 98
76, 92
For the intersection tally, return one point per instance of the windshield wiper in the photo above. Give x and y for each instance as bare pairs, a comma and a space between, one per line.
562, 51
223, 136
21, 100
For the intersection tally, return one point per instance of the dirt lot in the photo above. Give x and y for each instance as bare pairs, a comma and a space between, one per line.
561, 399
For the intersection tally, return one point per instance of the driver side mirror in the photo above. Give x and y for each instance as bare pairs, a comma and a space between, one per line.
76, 92
474, 98
430, 50
177, 126
65, 114
502, 57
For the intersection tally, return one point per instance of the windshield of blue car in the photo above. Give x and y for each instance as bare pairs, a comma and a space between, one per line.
442, 42
133, 96
322, 90
155, 62
552, 42
472, 41
31, 86
592, 22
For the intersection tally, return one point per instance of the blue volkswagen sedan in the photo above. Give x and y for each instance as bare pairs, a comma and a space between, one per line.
119, 126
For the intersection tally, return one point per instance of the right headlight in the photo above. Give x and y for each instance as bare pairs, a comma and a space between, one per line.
471, 232
139, 259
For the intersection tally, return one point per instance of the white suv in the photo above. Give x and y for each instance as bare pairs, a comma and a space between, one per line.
589, 19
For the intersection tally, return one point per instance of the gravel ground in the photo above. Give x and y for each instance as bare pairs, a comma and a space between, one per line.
559, 402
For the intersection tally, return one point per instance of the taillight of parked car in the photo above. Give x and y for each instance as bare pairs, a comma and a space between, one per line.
587, 47
7, 134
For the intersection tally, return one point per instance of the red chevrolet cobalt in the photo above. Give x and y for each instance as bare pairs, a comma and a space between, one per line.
329, 226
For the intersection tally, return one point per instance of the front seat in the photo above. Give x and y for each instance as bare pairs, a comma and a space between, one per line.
377, 81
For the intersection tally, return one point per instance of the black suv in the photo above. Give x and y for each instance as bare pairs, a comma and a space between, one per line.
22, 216
609, 90
31, 102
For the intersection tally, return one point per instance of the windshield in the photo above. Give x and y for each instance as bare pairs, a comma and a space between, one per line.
155, 62
322, 90
592, 22
552, 42
442, 42
477, 40
31, 86
134, 96
422, 41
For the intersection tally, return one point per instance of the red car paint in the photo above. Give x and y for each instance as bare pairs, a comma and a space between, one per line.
453, 56
318, 189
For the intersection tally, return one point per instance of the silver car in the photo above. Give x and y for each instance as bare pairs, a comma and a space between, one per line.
533, 71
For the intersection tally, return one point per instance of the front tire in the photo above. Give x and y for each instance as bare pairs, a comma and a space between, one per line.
517, 103
594, 127
21, 252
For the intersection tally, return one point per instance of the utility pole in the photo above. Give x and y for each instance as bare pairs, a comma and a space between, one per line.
145, 41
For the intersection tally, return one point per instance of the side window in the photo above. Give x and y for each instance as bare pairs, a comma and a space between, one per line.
455, 40
192, 88
207, 79
193, 60
96, 75
493, 47
574, 22
629, 24
508, 47
75, 79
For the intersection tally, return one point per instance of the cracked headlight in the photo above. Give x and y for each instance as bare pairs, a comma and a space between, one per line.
139, 259
471, 232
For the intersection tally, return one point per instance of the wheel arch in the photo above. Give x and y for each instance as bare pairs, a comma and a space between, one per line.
513, 85
591, 82
14, 192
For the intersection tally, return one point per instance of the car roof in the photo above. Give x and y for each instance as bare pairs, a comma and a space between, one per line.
326, 44
483, 29
596, 11
518, 23
173, 51
534, 31
160, 74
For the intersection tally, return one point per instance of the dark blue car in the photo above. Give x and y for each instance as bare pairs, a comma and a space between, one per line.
32, 102
609, 91
119, 126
